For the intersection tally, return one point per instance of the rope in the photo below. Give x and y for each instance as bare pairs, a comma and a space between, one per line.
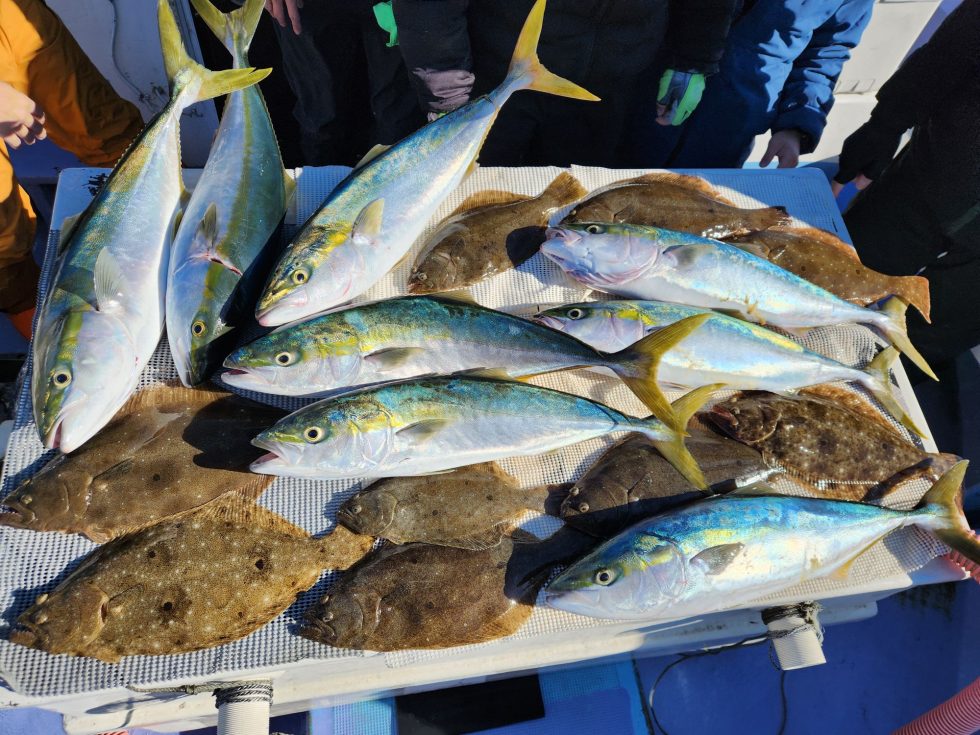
253, 691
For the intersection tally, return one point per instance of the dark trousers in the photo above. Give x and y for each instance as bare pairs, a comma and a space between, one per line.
352, 91
895, 231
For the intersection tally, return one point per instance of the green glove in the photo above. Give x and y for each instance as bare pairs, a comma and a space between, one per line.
386, 22
680, 92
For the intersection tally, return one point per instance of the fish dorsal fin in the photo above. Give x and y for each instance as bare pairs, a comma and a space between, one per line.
494, 373
368, 223
716, 559
289, 184
684, 181
824, 238
460, 296
487, 198
375, 151
242, 511
67, 230
109, 281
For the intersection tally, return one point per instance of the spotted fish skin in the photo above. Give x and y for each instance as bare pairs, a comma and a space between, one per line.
224, 232
727, 551
198, 580
819, 440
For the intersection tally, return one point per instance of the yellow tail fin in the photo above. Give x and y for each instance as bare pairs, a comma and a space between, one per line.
637, 366
673, 449
941, 511
526, 70
235, 29
880, 385
895, 310
185, 73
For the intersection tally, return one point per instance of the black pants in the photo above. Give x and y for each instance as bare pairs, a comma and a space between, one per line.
895, 231
352, 91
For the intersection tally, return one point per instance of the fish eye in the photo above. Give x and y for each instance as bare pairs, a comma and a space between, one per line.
583, 507
61, 378
300, 276
576, 313
422, 276
355, 509
313, 434
594, 229
198, 328
284, 358
605, 577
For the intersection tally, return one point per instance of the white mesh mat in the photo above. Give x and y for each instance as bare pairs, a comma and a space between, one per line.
33, 563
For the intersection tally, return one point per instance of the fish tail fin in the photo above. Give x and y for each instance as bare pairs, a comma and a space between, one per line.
894, 329
526, 70
880, 384
637, 366
941, 512
342, 548
915, 291
774, 217
673, 448
186, 74
235, 29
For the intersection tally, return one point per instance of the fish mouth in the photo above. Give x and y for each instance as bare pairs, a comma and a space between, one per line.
548, 321
52, 439
291, 307
722, 417
580, 602
267, 464
319, 631
348, 519
243, 379
25, 635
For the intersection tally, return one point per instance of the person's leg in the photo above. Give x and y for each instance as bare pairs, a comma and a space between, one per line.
18, 271
83, 113
394, 103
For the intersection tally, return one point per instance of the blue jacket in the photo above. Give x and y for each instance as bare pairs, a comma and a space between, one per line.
781, 63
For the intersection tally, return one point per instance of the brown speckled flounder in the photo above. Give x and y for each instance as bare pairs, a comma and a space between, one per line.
675, 202
207, 577
856, 455
468, 507
425, 596
490, 232
631, 481
829, 262
168, 450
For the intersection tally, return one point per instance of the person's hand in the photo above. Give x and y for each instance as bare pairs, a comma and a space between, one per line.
280, 9
21, 118
678, 95
865, 154
784, 145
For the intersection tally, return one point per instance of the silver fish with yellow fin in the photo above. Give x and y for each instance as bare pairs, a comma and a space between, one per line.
102, 316
369, 222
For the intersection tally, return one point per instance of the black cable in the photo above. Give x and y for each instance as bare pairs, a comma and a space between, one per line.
744, 643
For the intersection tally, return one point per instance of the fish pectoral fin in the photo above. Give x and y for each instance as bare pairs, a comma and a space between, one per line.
391, 358
717, 558
109, 280
422, 431
115, 473
207, 230
375, 151
368, 223
494, 373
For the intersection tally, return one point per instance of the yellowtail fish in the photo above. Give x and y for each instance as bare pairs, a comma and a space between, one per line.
727, 551
649, 263
723, 350
221, 249
369, 222
417, 427
103, 314
418, 336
